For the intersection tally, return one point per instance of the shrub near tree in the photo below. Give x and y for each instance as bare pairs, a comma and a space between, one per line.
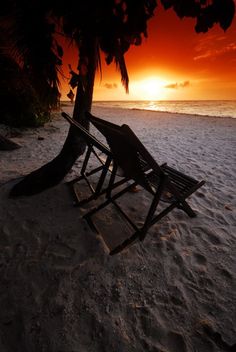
28, 80
20, 106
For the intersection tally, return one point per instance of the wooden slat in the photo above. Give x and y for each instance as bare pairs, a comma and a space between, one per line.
176, 172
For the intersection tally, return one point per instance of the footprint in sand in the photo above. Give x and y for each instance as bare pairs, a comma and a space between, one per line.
175, 342
60, 250
199, 259
213, 239
177, 296
226, 274
5, 236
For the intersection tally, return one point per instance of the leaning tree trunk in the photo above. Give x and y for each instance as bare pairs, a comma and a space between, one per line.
53, 172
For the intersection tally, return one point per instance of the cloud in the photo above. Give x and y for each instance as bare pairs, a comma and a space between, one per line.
213, 53
110, 85
178, 85
213, 46
172, 86
184, 84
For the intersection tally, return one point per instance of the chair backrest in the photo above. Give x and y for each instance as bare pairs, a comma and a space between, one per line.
88, 137
128, 151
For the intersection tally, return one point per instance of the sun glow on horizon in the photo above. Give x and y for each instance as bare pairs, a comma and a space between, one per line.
151, 88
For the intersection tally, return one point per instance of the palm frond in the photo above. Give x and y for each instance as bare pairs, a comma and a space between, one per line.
121, 65
31, 34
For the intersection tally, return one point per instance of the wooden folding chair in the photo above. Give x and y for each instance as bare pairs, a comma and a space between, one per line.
162, 182
104, 169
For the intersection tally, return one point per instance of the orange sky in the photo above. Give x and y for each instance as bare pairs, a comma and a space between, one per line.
172, 63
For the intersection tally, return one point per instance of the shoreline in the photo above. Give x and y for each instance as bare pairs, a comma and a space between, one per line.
117, 105
184, 113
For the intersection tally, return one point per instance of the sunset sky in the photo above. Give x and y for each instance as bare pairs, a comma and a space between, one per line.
173, 63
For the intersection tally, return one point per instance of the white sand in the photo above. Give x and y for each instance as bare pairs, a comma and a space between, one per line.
174, 292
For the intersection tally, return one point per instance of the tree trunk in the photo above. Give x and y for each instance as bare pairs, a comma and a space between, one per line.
53, 172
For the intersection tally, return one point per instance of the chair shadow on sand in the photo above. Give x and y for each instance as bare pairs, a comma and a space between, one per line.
125, 164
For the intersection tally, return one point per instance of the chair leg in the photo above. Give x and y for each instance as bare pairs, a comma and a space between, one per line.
92, 225
83, 169
186, 207
86, 159
152, 210
102, 176
181, 202
162, 214
111, 181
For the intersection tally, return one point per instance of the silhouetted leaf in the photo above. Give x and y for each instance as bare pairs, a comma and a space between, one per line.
59, 50
225, 10
167, 4
74, 79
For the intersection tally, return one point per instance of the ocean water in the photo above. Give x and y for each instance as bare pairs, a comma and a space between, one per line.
219, 108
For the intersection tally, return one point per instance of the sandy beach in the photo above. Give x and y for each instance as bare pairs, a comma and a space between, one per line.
175, 292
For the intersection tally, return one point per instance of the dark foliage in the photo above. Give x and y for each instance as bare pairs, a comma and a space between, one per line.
29, 63
206, 12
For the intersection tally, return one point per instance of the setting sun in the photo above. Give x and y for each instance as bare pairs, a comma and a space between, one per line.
148, 89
